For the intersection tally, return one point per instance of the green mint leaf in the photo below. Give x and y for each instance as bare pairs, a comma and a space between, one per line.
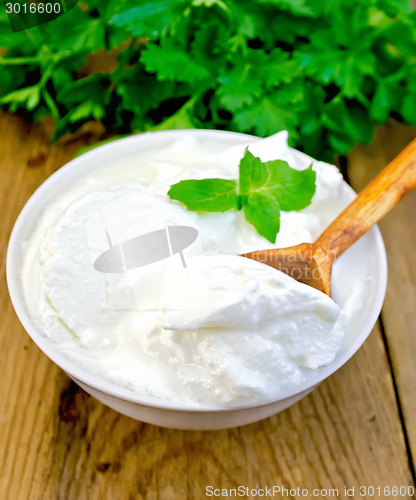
206, 195
263, 211
264, 189
292, 189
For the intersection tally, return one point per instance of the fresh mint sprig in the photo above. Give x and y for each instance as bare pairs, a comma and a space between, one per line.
206, 195
253, 67
262, 190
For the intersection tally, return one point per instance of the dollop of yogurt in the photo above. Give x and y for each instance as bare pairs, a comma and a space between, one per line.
202, 326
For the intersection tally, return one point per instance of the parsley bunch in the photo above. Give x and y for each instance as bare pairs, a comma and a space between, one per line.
323, 70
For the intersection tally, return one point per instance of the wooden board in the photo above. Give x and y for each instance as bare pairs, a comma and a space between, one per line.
56, 442
399, 232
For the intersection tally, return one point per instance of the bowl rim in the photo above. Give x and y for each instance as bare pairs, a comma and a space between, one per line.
107, 387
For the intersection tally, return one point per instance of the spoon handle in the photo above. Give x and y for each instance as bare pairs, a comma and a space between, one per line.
374, 201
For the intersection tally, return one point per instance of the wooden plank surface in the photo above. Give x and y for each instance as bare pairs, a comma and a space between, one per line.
56, 442
399, 232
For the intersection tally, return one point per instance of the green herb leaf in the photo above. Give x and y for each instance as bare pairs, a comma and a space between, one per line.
263, 211
206, 195
254, 67
292, 188
263, 189
267, 115
267, 187
166, 59
149, 19
299, 7
28, 96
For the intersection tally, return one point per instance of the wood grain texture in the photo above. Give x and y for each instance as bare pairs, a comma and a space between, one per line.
399, 232
56, 442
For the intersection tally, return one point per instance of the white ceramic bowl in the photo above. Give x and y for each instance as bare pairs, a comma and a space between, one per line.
367, 257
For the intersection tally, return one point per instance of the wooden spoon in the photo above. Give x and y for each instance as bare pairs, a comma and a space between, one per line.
311, 263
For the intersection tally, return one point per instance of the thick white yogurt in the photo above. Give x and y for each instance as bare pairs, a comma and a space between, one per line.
222, 331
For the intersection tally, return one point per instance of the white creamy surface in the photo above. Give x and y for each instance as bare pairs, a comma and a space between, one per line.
225, 330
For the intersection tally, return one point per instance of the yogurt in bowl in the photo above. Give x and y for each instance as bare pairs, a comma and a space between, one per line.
193, 336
